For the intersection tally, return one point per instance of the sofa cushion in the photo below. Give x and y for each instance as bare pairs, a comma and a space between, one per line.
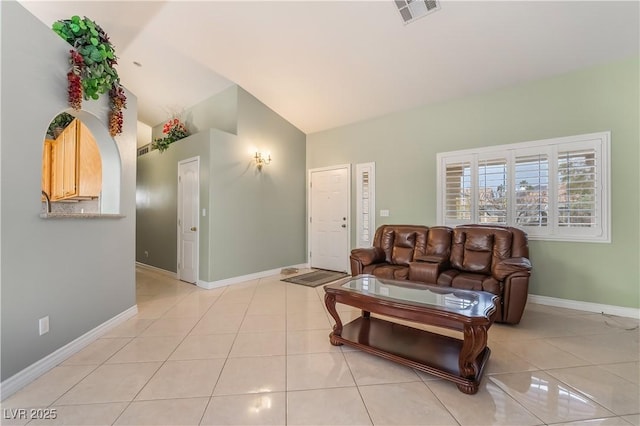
478, 249
386, 242
402, 255
446, 277
403, 247
401, 243
439, 241
492, 285
392, 272
462, 280
470, 281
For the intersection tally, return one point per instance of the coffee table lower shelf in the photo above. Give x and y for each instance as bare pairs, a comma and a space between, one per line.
425, 351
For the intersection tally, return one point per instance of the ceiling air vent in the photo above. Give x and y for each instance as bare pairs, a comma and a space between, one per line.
144, 149
410, 10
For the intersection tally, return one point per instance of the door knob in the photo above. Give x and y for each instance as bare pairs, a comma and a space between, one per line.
193, 228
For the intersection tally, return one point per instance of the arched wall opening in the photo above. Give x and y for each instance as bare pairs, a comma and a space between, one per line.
109, 197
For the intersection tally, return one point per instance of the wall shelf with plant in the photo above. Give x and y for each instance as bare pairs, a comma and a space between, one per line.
92, 72
174, 129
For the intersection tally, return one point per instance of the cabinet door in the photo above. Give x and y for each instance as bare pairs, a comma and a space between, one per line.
46, 167
89, 164
70, 154
57, 168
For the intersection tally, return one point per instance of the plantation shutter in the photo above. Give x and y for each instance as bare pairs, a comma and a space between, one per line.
554, 189
457, 197
577, 186
492, 191
531, 191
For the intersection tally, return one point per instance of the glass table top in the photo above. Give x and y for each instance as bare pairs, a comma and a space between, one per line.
465, 302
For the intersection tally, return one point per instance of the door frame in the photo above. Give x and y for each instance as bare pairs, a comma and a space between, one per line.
326, 169
179, 205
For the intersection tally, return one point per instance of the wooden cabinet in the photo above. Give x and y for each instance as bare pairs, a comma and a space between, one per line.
63, 167
75, 165
57, 168
89, 179
46, 167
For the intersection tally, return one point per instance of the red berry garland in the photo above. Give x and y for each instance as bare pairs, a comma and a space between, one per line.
75, 81
118, 102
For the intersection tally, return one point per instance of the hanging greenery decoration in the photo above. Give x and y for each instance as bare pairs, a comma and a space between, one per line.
92, 71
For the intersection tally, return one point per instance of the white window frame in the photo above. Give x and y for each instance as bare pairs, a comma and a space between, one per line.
366, 204
600, 142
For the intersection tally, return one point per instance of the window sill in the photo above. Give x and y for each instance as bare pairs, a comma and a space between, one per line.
80, 216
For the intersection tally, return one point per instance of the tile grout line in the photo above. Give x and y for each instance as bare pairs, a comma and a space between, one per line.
129, 403
168, 356
212, 396
173, 351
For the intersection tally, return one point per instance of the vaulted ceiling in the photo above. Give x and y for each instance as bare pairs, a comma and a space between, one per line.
323, 64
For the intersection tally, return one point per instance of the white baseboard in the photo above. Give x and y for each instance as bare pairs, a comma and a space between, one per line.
620, 311
158, 270
38, 368
236, 280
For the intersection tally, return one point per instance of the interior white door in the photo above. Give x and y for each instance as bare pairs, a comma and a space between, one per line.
329, 218
188, 223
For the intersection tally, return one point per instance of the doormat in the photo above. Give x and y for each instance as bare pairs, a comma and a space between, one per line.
316, 278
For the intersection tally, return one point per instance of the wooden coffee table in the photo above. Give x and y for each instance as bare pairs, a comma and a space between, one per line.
461, 361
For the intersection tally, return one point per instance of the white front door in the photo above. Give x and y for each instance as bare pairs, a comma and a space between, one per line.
329, 218
188, 223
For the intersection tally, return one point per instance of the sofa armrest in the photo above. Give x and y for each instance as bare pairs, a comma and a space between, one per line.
432, 258
362, 257
506, 267
427, 268
424, 272
514, 300
368, 256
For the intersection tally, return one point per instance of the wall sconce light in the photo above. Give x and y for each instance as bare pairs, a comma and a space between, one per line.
261, 159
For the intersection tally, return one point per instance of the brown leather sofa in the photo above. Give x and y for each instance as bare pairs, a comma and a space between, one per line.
472, 257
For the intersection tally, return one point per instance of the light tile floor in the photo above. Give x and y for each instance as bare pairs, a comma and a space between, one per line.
259, 353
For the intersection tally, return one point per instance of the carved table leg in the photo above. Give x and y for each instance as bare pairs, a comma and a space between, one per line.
475, 342
330, 303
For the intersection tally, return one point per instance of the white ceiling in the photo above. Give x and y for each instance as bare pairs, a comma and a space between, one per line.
322, 64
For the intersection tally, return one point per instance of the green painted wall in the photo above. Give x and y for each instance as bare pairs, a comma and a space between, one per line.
219, 111
255, 220
79, 272
157, 200
259, 218
404, 147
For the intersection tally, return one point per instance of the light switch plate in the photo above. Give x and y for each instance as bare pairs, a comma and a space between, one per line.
384, 213
43, 325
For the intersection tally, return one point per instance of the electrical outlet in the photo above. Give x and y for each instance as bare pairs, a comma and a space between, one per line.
43, 325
